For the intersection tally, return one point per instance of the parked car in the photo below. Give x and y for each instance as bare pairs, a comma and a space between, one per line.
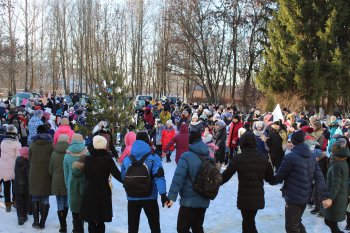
173, 99
140, 101
20, 96
83, 98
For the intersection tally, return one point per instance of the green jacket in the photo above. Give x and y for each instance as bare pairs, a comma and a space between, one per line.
39, 156
77, 187
337, 183
58, 186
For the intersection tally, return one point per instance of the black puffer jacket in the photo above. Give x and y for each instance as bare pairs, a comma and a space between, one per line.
252, 168
220, 141
21, 184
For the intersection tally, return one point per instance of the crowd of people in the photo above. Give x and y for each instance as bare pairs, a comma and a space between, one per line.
43, 154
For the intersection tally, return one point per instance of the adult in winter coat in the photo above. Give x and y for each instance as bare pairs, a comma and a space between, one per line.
33, 124
192, 205
164, 116
337, 183
102, 130
181, 141
148, 118
75, 182
21, 185
318, 134
129, 139
196, 125
96, 208
274, 143
10, 147
184, 118
148, 204
64, 128
168, 133
298, 170
39, 178
220, 141
58, 186
253, 168
232, 137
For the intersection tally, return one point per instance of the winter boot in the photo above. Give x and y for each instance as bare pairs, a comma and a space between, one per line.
20, 220
8, 206
78, 224
44, 211
101, 228
347, 221
62, 218
35, 212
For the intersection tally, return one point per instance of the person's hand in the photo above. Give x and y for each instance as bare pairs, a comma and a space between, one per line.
233, 142
164, 200
327, 203
263, 138
170, 203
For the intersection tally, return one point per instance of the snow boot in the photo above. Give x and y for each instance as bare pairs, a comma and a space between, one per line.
44, 211
20, 220
35, 212
8, 206
78, 224
62, 215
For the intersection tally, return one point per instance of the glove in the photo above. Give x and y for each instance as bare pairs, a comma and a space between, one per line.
164, 199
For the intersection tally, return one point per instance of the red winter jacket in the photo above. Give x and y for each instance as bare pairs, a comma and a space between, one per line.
233, 134
181, 141
167, 135
148, 117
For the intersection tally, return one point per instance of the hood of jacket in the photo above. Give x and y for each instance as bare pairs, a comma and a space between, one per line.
64, 129
302, 149
76, 147
130, 138
184, 128
199, 147
139, 148
61, 147
44, 137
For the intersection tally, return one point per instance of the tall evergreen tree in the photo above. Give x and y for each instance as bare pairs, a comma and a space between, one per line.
308, 50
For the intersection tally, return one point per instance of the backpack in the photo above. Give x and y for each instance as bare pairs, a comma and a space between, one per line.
208, 179
138, 179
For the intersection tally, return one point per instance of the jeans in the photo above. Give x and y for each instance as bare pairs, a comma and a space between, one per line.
190, 218
248, 223
293, 214
41, 199
151, 210
62, 202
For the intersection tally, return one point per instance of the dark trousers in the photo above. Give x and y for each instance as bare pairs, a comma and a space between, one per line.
332, 225
159, 150
190, 218
248, 223
151, 209
96, 227
293, 214
276, 161
7, 191
22, 204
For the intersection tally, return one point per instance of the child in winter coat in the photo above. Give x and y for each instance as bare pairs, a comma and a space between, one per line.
208, 140
157, 137
21, 185
130, 138
167, 134
58, 186
181, 142
220, 141
75, 150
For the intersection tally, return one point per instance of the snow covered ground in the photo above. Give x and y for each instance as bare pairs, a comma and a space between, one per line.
221, 217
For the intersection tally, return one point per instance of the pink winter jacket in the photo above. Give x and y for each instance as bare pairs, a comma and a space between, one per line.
9, 151
130, 138
212, 148
63, 129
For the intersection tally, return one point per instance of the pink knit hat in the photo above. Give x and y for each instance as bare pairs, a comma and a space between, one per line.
24, 152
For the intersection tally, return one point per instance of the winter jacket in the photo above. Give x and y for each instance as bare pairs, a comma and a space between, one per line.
63, 129
148, 117
58, 186
274, 143
154, 165
21, 183
212, 148
181, 141
298, 169
164, 117
261, 146
77, 185
10, 147
189, 166
33, 124
97, 201
196, 126
253, 168
157, 135
167, 135
40, 151
233, 134
337, 184
333, 139
220, 140
129, 139
74, 152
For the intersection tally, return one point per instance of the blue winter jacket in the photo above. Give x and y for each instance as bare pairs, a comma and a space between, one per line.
154, 164
33, 124
189, 165
298, 169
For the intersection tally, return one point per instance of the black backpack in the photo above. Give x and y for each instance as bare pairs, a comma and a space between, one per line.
208, 179
138, 179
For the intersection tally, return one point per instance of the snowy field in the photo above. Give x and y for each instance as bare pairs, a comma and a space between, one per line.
221, 216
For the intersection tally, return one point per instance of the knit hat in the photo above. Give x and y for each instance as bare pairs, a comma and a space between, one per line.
307, 129
24, 152
77, 137
298, 137
220, 124
169, 122
339, 151
194, 137
11, 129
99, 142
195, 116
143, 136
63, 138
64, 121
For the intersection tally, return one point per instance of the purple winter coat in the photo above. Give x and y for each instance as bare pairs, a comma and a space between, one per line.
181, 141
